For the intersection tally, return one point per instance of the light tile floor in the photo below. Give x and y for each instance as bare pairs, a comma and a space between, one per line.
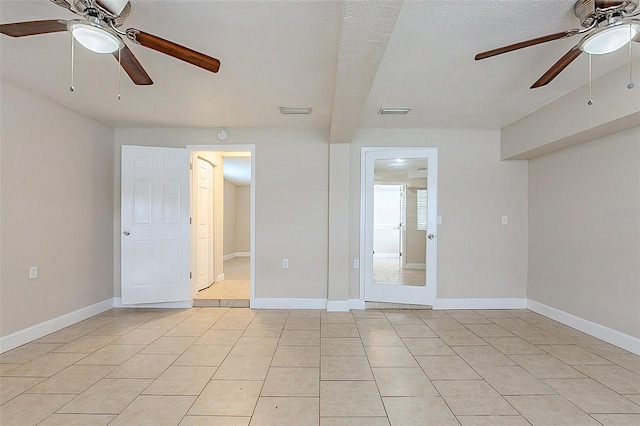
236, 284
387, 270
221, 366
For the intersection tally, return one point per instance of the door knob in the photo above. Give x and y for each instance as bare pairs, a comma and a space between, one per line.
126, 233
431, 236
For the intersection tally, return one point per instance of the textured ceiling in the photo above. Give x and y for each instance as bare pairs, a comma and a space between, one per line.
290, 53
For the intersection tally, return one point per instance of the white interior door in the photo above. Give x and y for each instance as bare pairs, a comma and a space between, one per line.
386, 281
155, 225
204, 224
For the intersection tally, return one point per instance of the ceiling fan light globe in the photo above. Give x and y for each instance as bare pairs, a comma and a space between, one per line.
608, 39
95, 39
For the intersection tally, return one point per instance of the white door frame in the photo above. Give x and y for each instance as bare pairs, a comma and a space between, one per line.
431, 261
231, 148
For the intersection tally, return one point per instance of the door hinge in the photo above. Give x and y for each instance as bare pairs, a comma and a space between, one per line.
190, 275
189, 221
190, 166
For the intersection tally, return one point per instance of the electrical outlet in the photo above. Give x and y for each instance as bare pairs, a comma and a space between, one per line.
356, 263
285, 263
505, 220
33, 272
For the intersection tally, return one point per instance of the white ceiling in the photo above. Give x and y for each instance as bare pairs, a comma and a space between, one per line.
237, 170
301, 53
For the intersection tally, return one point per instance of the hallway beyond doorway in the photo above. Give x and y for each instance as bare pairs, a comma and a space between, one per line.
235, 290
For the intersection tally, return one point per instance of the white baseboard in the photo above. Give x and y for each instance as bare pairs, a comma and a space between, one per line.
117, 303
236, 254
37, 331
478, 303
609, 335
415, 266
287, 303
220, 278
338, 306
386, 255
356, 304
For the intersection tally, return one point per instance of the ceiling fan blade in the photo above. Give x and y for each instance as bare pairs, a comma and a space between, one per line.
132, 67
527, 43
22, 29
172, 49
558, 67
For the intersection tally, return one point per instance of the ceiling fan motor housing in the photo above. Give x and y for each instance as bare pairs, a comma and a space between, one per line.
596, 11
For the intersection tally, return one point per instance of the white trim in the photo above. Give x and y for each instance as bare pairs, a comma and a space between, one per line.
415, 266
478, 303
287, 303
387, 255
236, 254
117, 303
609, 335
356, 304
220, 278
37, 331
338, 306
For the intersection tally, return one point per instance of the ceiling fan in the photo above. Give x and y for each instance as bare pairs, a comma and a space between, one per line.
98, 30
608, 25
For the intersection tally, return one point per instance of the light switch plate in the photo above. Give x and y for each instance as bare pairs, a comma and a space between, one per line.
505, 220
33, 272
285, 263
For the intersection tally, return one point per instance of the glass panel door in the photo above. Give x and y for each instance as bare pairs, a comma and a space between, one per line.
400, 227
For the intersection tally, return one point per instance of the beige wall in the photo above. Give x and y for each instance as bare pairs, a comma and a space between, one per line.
291, 202
243, 219
237, 218
477, 256
415, 250
570, 121
57, 210
230, 192
584, 231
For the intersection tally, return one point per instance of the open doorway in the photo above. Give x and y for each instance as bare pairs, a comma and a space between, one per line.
223, 219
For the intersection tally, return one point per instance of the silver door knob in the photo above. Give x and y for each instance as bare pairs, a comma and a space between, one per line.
127, 233
431, 236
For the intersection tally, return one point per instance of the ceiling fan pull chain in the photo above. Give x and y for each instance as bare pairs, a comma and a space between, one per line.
73, 44
631, 85
590, 83
119, 70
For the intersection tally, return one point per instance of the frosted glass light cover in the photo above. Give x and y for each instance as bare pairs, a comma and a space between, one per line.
609, 39
96, 39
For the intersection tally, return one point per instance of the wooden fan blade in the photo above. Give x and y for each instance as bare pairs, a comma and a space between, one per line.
177, 51
132, 67
22, 29
527, 43
558, 67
